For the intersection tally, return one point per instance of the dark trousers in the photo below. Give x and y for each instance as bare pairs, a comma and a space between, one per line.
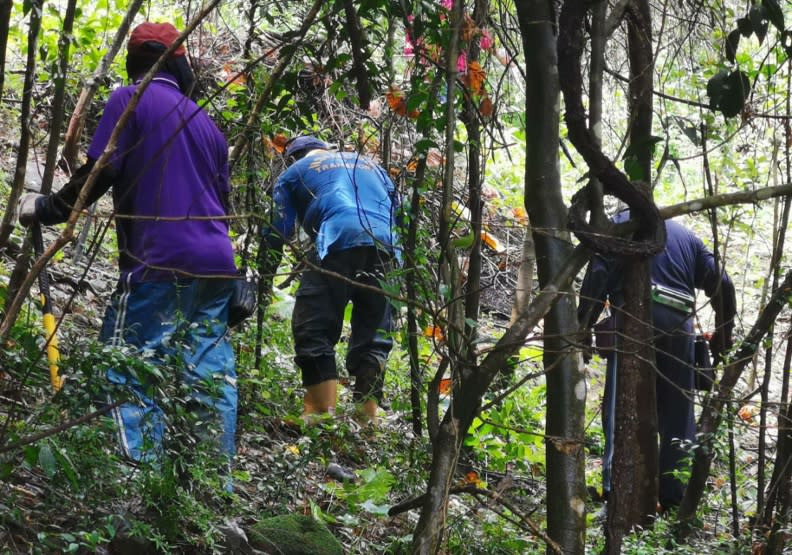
674, 387
319, 311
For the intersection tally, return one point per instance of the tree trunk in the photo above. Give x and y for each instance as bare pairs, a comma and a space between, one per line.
428, 534
566, 385
7, 225
633, 496
5, 20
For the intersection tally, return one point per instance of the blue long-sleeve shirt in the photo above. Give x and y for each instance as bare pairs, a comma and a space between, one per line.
341, 199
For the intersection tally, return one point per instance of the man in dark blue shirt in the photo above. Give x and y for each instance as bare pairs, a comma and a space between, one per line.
346, 203
684, 266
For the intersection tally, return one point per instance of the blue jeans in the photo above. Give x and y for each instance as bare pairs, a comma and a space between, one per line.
184, 320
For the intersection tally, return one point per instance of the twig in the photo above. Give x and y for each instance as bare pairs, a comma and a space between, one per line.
60, 428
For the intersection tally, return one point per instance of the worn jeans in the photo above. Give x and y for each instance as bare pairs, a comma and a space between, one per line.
184, 321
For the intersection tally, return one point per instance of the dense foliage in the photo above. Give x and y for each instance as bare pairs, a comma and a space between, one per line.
437, 92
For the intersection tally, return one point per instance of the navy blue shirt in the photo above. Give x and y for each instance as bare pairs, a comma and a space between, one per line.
684, 265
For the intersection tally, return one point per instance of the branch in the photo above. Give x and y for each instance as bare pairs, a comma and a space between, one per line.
77, 121
243, 140
616, 16
60, 427
712, 413
725, 199
357, 41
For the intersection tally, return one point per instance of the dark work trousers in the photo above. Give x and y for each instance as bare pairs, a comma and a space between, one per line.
674, 386
319, 316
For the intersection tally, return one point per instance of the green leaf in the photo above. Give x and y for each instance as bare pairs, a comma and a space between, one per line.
633, 169
371, 507
728, 92
67, 466
758, 17
424, 145
464, 242
745, 27
774, 13
736, 91
732, 42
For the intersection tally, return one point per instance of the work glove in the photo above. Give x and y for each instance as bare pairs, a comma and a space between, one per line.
26, 209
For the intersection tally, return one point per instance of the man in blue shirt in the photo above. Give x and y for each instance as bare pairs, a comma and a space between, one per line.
169, 178
684, 266
347, 204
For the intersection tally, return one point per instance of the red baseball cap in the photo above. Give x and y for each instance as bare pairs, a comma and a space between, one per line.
162, 33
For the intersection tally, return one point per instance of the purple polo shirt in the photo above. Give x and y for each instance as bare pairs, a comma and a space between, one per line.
173, 164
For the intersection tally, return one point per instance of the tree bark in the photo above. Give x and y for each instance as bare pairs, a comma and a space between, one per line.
566, 385
5, 20
633, 496
7, 225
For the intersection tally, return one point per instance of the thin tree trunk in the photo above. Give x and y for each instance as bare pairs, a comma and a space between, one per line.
633, 496
475, 178
712, 412
566, 385
56, 121
7, 225
780, 494
428, 535
5, 20
357, 41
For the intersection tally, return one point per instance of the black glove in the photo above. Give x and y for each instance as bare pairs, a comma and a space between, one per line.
26, 209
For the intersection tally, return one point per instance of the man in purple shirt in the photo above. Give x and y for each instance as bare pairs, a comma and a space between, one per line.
169, 176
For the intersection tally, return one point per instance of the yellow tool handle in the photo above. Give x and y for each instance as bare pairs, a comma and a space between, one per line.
53, 355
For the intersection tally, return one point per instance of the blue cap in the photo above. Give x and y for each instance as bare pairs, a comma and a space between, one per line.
304, 142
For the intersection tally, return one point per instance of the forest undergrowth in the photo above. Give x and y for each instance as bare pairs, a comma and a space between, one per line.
71, 492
